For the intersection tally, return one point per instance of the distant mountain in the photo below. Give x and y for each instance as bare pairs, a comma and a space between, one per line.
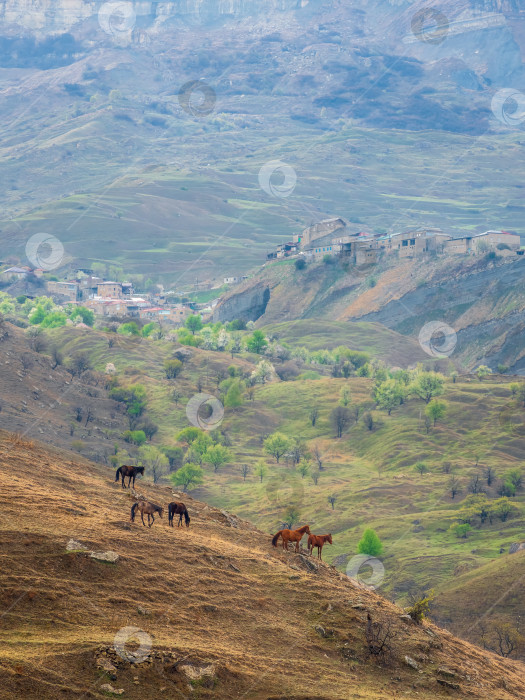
366, 100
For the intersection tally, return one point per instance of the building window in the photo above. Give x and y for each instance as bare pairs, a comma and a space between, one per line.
412, 241
404, 243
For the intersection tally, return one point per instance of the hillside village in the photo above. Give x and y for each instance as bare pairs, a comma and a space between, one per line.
331, 237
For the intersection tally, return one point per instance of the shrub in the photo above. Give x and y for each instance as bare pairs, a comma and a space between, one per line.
370, 543
420, 608
172, 368
300, 264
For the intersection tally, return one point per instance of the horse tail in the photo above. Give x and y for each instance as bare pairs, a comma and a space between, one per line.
118, 473
275, 538
133, 509
186, 516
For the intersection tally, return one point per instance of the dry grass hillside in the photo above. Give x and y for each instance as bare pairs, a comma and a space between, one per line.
227, 615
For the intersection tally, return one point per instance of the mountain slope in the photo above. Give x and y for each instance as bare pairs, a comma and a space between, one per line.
227, 616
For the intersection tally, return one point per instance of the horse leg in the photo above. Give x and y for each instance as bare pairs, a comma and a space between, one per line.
152, 519
320, 552
122, 475
142, 516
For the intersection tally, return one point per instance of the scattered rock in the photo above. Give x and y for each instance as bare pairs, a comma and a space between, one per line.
143, 611
448, 684
359, 606
308, 563
194, 673
406, 618
516, 547
111, 557
235, 568
210, 608
106, 665
294, 577
320, 630
418, 528
108, 688
340, 560
410, 662
73, 546
447, 672
230, 519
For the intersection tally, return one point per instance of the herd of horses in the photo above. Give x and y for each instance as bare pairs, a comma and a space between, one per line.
176, 508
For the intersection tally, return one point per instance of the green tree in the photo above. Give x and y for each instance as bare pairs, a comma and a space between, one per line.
217, 456
428, 385
194, 324
55, 319
87, 316
260, 470
277, 445
257, 342
421, 467
344, 396
135, 437
370, 543
436, 410
303, 468
234, 395
155, 460
461, 530
188, 435
483, 371
188, 476
172, 368
129, 328
389, 394
515, 477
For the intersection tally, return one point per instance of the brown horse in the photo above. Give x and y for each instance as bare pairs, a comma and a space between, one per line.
146, 507
318, 541
179, 509
131, 472
291, 536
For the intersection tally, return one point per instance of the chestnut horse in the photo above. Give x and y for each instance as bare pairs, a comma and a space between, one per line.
131, 472
291, 536
179, 509
318, 541
146, 507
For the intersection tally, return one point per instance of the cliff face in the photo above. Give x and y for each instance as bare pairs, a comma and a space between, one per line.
249, 305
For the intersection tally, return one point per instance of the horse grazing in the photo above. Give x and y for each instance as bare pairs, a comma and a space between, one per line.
130, 472
146, 507
291, 536
318, 541
180, 510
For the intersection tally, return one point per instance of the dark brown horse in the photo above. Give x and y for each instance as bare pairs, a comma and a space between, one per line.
146, 507
179, 509
291, 536
318, 541
131, 472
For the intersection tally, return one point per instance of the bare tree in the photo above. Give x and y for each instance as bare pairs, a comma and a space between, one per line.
56, 357
475, 485
378, 636
489, 475
245, 469
318, 456
314, 414
315, 477
453, 487
340, 418
332, 500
